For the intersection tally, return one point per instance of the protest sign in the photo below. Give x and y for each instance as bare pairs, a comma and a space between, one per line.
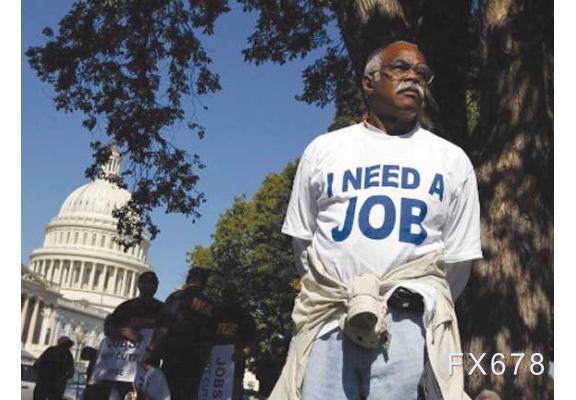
218, 378
152, 383
117, 360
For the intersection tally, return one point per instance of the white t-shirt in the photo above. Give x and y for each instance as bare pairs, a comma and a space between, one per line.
371, 201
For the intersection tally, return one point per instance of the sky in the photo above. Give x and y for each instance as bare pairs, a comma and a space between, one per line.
254, 126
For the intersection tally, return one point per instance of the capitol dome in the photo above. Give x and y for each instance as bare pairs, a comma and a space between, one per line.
80, 256
98, 197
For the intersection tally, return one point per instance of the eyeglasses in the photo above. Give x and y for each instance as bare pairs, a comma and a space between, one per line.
398, 69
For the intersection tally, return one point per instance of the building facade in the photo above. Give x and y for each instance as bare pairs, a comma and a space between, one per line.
80, 274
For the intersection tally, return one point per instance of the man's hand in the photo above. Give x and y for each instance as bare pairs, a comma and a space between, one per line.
457, 275
130, 334
242, 353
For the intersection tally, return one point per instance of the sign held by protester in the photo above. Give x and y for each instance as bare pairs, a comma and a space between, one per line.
218, 379
117, 360
152, 383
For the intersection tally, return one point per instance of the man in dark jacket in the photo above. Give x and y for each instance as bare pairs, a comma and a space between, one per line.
125, 322
54, 367
269, 366
138, 313
185, 336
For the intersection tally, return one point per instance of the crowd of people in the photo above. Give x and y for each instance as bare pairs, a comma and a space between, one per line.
185, 328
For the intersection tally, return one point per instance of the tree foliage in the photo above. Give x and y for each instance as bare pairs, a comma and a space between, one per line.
128, 67
249, 252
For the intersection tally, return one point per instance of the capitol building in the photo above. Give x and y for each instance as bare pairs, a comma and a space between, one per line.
80, 274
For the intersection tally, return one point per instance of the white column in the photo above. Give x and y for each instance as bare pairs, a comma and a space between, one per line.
114, 274
32, 324
124, 283
60, 279
82, 272
24, 312
132, 284
46, 316
70, 273
57, 270
102, 277
54, 331
49, 270
63, 274
107, 277
92, 277
119, 284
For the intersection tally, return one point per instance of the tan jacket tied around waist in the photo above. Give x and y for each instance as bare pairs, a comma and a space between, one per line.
324, 298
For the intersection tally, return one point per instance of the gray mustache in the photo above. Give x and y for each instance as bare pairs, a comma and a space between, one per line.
403, 85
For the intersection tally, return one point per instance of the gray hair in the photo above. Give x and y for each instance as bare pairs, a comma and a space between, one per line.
374, 61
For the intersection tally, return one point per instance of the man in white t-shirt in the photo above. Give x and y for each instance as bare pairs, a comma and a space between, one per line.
372, 197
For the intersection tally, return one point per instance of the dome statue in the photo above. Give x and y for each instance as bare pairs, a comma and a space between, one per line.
80, 256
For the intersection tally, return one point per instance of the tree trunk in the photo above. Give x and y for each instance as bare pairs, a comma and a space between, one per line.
507, 306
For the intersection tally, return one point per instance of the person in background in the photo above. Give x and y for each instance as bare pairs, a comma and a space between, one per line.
185, 336
269, 367
235, 326
54, 367
141, 312
89, 354
125, 322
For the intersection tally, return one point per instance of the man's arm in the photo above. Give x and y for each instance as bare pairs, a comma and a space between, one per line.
69, 366
462, 232
166, 319
457, 275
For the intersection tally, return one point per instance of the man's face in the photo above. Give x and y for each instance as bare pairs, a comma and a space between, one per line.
393, 95
148, 286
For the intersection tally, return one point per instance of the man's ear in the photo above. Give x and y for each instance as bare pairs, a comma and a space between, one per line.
367, 85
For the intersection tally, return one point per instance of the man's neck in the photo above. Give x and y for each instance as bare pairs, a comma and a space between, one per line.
392, 125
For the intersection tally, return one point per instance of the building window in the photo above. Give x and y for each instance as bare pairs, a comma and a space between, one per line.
103, 241
84, 237
60, 238
68, 237
93, 239
75, 237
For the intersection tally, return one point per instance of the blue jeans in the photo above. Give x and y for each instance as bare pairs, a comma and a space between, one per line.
338, 369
